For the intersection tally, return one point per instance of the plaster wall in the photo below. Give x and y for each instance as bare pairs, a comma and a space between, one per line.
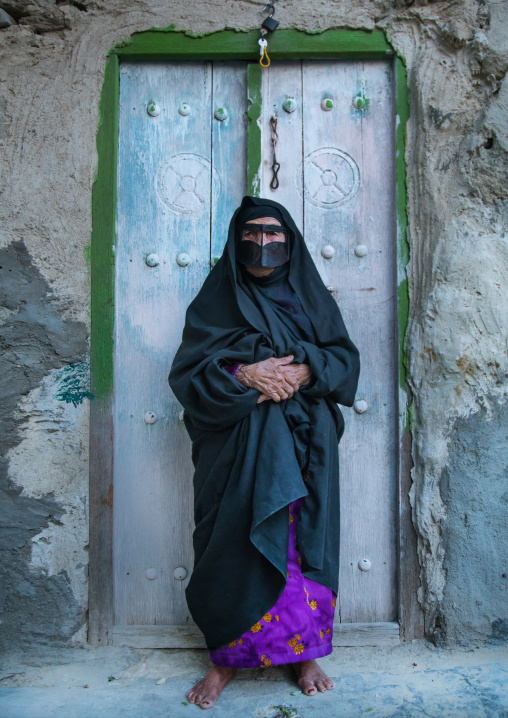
52, 58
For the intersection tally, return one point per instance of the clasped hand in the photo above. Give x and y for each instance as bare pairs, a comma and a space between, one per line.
276, 379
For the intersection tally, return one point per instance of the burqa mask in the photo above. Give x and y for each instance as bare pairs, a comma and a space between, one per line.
261, 245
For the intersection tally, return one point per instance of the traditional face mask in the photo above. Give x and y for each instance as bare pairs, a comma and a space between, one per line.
262, 245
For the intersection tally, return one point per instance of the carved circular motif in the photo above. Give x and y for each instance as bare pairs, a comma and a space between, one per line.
183, 183
331, 177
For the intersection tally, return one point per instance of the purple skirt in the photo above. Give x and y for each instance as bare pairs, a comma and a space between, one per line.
298, 628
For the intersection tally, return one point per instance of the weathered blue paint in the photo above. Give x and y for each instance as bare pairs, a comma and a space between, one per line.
229, 147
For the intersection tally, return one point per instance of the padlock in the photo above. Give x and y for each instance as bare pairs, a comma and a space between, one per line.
270, 24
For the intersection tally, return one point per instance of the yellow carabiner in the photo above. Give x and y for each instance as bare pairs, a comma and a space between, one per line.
263, 57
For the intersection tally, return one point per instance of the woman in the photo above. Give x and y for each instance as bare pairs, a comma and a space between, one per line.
264, 360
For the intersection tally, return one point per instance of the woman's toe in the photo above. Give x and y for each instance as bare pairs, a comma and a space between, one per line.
206, 703
309, 689
328, 683
321, 686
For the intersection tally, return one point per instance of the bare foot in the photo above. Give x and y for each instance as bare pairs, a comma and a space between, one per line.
208, 689
311, 678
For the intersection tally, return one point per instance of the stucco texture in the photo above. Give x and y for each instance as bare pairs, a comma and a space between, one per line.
52, 60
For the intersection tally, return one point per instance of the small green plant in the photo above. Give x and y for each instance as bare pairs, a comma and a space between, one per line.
285, 711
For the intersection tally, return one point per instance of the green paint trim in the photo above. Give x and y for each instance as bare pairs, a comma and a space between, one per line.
402, 115
103, 236
254, 83
233, 44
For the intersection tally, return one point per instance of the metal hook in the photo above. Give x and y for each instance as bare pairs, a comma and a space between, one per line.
269, 5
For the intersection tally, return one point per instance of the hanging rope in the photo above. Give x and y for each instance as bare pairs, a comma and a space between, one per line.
264, 60
275, 165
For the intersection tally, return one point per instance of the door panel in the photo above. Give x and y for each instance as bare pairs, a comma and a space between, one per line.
369, 459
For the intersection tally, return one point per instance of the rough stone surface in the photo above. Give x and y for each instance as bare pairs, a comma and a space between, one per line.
43, 527
5, 19
475, 492
40, 15
52, 63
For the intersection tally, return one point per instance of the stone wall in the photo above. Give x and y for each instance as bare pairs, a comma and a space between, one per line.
52, 58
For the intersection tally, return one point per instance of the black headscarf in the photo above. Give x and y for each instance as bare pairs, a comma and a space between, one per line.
248, 457
248, 212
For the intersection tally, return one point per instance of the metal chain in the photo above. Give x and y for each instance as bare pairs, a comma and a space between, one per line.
275, 165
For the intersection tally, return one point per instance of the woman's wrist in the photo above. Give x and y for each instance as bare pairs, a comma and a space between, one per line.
305, 378
241, 374
305, 374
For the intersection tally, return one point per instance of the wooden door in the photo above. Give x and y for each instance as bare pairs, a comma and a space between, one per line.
181, 173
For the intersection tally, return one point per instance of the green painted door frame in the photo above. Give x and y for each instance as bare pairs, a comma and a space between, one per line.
166, 44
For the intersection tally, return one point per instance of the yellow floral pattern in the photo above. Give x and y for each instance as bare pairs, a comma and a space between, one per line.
294, 640
313, 603
295, 627
297, 644
233, 643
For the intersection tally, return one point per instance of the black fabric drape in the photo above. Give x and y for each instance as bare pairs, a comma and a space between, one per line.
247, 456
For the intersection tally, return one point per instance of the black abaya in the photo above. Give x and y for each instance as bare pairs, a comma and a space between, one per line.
248, 456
